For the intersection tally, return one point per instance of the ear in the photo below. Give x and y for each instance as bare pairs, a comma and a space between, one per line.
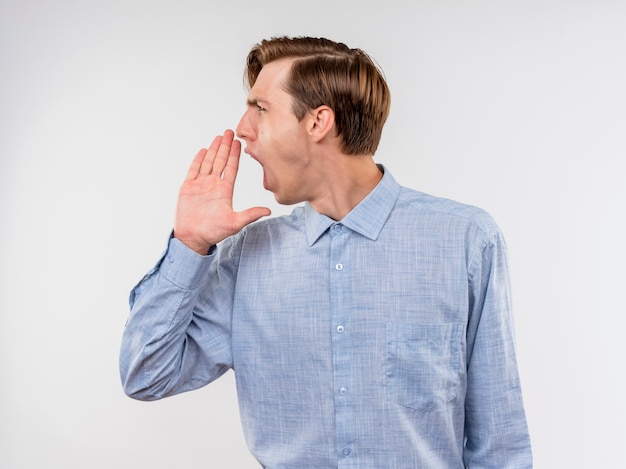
321, 122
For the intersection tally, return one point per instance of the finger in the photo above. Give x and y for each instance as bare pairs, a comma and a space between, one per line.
207, 162
194, 168
223, 153
232, 165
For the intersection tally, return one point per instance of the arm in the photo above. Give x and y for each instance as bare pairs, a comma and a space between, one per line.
177, 337
496, 429
162, 338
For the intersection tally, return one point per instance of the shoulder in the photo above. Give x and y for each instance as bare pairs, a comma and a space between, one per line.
440, 211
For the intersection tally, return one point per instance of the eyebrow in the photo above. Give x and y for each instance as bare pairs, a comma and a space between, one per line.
255, 101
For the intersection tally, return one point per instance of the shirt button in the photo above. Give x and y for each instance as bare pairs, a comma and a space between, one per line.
339, 266
343, 391
346, 451
337, 228
340, 329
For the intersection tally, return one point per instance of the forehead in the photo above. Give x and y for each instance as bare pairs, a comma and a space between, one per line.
271, 78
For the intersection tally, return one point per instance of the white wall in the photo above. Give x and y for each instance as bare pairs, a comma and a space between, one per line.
516, 106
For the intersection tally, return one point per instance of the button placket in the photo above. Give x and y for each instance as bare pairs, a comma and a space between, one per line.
335, 231
341, 339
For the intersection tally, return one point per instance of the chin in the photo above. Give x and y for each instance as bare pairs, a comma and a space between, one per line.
282, 200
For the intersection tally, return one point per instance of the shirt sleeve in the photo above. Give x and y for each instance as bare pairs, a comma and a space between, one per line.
177, 337
496, 430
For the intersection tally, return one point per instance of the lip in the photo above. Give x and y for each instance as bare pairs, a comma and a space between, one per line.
254, 157
250, 154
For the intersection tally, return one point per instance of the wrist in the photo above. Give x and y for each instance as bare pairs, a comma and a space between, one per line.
199, 247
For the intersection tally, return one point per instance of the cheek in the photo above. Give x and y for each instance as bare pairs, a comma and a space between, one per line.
264, 133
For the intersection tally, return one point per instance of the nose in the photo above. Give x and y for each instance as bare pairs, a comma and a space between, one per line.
244, 129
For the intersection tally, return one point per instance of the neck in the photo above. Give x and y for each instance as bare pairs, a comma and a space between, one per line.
346, 181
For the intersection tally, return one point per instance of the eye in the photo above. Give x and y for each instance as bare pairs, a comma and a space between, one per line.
260, 108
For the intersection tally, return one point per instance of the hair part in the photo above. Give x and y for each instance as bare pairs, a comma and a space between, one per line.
330, 73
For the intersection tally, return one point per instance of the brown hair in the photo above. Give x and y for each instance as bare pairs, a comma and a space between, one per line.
330, 73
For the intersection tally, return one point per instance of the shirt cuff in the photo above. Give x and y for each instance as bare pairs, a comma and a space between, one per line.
184, 267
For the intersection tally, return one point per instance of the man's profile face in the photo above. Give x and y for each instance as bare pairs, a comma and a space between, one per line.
274, 137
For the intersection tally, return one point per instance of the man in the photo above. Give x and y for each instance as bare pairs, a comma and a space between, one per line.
371, 328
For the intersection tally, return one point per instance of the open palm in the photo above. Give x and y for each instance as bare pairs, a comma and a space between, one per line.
204, 213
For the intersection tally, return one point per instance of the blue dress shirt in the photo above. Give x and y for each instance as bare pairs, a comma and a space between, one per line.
383, 341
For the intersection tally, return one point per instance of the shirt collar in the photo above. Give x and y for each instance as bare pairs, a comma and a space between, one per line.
367, 218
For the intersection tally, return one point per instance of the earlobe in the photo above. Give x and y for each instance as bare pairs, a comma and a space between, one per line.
322, 122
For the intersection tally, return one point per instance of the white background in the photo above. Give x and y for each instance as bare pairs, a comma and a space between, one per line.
516, 106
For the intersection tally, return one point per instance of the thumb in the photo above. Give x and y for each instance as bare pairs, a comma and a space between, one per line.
245, 217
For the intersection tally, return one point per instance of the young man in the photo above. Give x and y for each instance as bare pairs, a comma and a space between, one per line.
371, 328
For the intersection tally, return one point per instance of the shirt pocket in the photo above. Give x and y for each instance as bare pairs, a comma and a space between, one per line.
422, 368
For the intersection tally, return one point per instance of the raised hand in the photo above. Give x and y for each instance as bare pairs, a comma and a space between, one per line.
204, 213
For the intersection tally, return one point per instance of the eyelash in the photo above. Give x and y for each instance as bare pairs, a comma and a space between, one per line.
260, 108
